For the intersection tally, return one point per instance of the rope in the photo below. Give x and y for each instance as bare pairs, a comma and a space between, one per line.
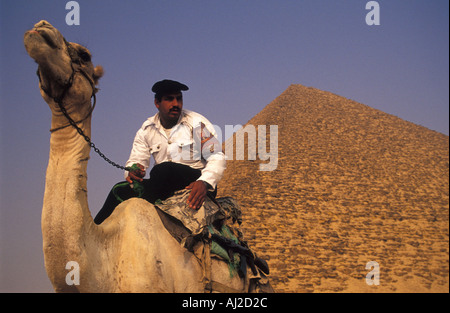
137, 187
219, 246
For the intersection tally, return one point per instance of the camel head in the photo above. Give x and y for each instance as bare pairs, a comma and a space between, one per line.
58, 62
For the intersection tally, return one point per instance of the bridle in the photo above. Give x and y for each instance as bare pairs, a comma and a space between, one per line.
75, 59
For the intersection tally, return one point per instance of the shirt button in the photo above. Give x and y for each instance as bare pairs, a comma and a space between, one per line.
169, 142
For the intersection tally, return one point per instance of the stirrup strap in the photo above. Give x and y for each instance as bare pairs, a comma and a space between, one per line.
210, 285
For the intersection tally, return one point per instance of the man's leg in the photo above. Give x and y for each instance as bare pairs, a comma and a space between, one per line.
168, 177
124, 192
165, 179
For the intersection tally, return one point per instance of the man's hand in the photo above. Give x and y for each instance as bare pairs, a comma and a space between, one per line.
136, 175
197, 195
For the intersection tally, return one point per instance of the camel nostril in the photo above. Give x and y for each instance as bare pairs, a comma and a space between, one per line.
41, 24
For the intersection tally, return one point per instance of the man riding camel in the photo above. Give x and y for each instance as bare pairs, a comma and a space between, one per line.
185, 149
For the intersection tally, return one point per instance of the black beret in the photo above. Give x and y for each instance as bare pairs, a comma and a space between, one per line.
167, 86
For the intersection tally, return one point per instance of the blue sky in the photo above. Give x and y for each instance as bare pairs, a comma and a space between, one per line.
236, 56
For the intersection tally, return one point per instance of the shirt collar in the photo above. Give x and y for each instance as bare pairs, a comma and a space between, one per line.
156, 122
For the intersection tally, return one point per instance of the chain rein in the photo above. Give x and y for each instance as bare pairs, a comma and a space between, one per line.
88, 140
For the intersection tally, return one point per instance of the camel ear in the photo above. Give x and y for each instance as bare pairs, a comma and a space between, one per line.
98, 72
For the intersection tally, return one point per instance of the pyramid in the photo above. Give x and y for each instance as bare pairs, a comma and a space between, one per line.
356, 192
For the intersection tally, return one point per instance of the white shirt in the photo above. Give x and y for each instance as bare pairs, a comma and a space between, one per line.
192, 141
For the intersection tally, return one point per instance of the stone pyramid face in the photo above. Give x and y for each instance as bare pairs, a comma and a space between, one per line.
352, 185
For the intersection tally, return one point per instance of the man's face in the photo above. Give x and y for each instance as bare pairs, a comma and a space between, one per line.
170, 108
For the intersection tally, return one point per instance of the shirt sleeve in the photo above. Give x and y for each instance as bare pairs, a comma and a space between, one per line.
212, 153
213, 171
140, 152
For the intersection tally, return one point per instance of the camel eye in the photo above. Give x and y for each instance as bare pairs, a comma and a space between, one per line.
86, 57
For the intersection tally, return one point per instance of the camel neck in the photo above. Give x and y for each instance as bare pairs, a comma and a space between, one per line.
65, 139
65, 215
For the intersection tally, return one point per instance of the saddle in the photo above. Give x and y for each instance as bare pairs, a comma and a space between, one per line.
214, 231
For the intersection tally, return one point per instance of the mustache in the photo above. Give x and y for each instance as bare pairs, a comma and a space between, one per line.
175, 109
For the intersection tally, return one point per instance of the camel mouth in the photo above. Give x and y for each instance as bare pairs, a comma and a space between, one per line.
48, 37
44, 33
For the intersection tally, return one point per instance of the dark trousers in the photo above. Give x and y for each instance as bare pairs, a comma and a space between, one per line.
165, 179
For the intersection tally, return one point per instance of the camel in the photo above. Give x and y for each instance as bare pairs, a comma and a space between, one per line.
131, 251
